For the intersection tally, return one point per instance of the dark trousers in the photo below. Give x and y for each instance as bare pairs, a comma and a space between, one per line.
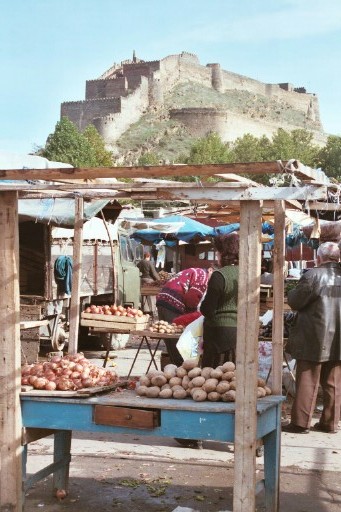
219, 346
174, 355
309, 375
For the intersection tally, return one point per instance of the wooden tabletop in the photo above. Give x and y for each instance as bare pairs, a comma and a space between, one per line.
30, 324
158, 335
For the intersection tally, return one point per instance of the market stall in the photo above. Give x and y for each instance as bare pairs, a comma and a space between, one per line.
243, 422
128, 414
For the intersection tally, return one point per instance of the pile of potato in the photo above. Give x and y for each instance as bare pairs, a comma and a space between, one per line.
165, 327
200, 384
165, 276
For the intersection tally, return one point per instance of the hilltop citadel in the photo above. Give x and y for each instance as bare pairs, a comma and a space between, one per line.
230, 104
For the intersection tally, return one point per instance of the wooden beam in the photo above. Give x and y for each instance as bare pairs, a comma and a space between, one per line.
10, 360
76, 276
278, 295
219, 192
150, 171
247, 357
158, 171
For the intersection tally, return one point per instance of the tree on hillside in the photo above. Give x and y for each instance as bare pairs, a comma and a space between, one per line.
329, 158
209, 150
103, 157
250, 148
295, 144
67, 144
149, 159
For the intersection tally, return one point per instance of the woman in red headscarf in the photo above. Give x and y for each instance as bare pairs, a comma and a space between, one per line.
181, 295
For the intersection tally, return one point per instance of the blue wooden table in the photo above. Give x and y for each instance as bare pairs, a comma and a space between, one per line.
127, 413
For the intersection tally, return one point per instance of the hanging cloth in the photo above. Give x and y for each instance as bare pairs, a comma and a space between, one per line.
63, 274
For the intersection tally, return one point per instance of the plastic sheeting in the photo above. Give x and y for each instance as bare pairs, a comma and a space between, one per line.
188, 230
54, 211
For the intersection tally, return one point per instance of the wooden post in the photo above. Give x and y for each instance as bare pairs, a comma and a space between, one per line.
76, 275
247, 357
113, 262
278, 296
10, 357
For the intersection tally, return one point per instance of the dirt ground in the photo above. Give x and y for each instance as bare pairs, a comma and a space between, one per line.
106, 484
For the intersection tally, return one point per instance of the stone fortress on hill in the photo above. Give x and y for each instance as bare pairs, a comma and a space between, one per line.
236, 104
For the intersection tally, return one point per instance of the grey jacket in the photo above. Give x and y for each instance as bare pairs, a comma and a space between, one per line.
316, 332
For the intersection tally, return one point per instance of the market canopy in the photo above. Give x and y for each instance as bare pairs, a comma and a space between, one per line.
185, 229
47, 210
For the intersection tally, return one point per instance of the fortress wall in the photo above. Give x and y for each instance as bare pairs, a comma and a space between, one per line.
156, 97
200, 121
109, 88
299, 101
81, 113
240, 82
195, 73
229, 125
95, 89
116, 87
134, 81
216, 77
111, 126
237, 126
134, 72
178, 68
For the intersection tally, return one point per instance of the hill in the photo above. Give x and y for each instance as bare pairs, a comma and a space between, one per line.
163, 106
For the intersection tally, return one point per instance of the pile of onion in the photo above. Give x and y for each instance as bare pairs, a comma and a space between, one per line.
67, 373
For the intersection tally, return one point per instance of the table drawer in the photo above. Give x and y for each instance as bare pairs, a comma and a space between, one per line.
126, 417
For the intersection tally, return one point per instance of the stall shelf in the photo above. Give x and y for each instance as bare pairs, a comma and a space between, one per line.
130, 414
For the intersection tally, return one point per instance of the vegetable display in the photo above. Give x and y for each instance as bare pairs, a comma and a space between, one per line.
165, 327
114, 310
188, 380
67, 373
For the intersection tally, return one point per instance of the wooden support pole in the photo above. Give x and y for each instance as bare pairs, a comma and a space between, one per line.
247, 357
278, 296
76, 276
10, 357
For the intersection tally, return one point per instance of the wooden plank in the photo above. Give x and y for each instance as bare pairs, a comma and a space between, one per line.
157, 171
10, 361
29, 435
76, 276
116, 319
247, 357
80, 393
278, 297
111, 326
30, 324
206, 193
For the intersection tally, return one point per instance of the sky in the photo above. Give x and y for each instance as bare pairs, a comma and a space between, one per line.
49, 48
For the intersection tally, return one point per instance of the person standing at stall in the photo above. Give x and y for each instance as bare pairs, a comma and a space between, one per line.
180, 295
315, 342
148, 275
219, 306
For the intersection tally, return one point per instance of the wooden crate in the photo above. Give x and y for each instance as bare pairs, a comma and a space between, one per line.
115, 322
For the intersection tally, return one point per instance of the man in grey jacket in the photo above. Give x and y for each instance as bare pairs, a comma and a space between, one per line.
315, 342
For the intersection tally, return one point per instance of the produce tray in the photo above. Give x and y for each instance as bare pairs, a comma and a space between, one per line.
114, 322
80, 393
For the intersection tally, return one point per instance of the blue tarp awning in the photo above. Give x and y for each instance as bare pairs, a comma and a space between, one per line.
190, 229
229, 228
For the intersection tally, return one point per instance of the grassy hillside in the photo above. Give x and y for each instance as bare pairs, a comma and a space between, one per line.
156, 133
